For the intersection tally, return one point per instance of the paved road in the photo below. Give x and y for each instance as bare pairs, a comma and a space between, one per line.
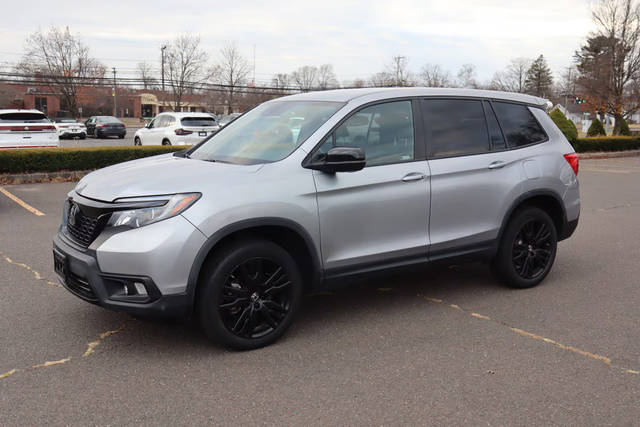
440, 346
105, 142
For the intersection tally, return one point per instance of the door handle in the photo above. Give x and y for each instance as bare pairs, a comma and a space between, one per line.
413, 176
497, 165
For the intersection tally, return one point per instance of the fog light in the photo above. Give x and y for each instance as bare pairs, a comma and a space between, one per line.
140, 289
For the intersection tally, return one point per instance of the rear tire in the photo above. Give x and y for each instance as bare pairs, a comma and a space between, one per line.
166, 142
249, 294
527, 249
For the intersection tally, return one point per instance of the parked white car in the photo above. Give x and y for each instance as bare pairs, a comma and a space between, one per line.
70, 128
176, 129
27, 129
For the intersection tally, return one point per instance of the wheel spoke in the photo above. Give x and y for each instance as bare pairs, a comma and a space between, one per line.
275, 289
274, 306
268, 318
242, 321
272, 278
236, 291
233, 303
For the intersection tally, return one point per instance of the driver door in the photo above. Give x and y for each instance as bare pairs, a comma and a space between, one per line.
378, 216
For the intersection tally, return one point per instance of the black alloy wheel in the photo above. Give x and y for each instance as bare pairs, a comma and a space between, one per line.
527, 248
248, 294
532, 249
255, 298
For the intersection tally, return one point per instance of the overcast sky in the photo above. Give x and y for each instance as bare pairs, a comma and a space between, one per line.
358, 37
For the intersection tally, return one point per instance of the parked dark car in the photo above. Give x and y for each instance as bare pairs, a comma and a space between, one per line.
104, 126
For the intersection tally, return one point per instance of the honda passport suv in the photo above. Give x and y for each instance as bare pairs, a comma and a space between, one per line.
234, 230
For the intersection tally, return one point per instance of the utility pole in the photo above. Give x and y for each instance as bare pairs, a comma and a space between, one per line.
115, 99
162, 71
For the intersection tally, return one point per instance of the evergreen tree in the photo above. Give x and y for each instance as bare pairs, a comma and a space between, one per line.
539, 78
565, 125
596, 128
624, 128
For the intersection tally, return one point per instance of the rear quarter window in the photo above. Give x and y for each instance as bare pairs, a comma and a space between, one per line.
518, 124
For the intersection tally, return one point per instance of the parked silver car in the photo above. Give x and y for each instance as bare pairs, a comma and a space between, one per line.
237, 228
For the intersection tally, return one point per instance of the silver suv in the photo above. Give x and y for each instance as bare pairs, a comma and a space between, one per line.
318, 186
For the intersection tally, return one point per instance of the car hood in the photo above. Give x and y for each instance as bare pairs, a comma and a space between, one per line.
163, 174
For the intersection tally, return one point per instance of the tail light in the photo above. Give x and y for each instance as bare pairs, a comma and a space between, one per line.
574, 162
102, 126
183, 132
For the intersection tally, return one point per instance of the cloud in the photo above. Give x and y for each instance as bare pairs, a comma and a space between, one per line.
357, 37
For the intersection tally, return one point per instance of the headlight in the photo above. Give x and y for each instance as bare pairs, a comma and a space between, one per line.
162, 207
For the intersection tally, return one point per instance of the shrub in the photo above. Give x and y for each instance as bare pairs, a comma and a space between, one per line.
596, 128
565, 125
607, 143
624, 128
73, 159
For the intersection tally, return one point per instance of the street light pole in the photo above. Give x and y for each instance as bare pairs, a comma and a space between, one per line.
115, 99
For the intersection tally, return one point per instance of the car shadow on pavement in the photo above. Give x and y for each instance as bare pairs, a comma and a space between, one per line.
345, 302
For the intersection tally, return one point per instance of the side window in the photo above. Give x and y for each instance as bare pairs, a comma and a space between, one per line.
160, 122
519, 126
383, 131
495, 133
170, 121
455, 127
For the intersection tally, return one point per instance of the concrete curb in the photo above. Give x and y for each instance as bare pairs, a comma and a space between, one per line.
67, 176
30, 178
609, 154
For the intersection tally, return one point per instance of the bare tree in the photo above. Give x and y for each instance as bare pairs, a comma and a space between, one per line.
232, 71
359, 83
185, 65
467, 76
609, 63
281, 81
326, 77
434, 76
62, 61
306, 78
399, 72
382, 79
145, 74
513, 78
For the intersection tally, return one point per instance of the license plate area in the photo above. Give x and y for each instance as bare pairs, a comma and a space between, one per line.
202, 133
60, 265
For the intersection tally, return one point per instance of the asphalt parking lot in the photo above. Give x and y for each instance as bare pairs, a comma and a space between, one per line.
443, 345
103, 142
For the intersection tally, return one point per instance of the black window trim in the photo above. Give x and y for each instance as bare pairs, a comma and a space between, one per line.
419, 146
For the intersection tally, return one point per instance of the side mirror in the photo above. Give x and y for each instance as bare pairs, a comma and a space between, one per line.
340, 159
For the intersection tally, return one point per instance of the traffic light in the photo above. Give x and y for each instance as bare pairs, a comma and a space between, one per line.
578, 100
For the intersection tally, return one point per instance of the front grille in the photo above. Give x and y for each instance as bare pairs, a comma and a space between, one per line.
80, 287
81, 228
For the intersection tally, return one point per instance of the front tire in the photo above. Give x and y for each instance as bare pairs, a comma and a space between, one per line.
249, 294
136, 141
527, 249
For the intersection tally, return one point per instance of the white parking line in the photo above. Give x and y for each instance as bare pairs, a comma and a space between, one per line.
21, 202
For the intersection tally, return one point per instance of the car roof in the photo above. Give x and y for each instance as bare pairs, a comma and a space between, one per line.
187, 114
13, 110
380, 93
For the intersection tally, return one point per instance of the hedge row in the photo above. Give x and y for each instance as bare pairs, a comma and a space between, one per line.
73, 159
606, 143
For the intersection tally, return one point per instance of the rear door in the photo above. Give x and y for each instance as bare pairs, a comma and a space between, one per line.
473, 174
377, 216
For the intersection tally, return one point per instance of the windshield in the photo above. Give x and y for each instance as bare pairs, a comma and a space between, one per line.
198, 121
108, 119
24, 117
268, 133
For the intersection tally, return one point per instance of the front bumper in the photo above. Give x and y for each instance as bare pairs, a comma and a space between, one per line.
84, 279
